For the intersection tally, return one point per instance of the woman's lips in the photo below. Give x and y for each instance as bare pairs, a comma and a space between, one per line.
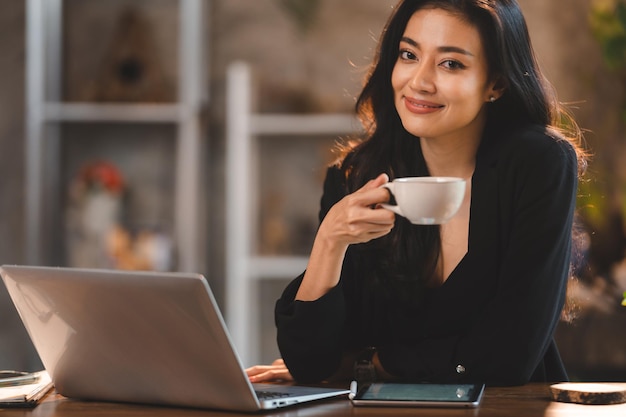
421, 106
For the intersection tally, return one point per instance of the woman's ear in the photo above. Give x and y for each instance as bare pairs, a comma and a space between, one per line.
498, 87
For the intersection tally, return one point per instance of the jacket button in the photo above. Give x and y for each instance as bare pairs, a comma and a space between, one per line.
460, 369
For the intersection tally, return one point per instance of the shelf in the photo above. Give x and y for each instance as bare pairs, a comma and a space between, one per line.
114, 112
277, 267
246, 270
46, 111
295, 124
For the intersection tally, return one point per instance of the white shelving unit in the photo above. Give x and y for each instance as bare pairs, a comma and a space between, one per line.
244, 268
45, 111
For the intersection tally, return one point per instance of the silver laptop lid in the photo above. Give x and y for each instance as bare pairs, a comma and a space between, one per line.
154, 338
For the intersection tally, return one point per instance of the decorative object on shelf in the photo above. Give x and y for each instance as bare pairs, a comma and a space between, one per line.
147, 250
130, 71
94, 208
96, 235
275, 233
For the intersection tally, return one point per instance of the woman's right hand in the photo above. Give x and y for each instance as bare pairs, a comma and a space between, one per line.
277, 371
357, 218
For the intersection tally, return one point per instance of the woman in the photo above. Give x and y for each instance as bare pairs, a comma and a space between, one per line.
455, 90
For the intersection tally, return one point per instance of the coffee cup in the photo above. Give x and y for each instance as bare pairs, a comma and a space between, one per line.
426, 200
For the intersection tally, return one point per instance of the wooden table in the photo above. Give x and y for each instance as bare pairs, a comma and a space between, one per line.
532, 400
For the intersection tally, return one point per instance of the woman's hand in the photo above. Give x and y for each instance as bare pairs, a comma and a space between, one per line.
356, 218
277, 371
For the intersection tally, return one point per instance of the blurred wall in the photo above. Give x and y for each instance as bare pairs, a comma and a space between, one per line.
12, 37
15, 348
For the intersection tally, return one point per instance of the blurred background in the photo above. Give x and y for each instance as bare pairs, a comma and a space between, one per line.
194, 135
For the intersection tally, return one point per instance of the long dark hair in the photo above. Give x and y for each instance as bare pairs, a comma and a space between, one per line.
411, 253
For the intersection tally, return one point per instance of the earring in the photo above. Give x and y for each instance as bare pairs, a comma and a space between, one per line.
492, 99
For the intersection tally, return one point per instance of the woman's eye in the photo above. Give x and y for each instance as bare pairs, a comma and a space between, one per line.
452, 65
407, 55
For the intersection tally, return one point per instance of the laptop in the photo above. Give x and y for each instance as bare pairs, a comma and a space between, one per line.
139, 337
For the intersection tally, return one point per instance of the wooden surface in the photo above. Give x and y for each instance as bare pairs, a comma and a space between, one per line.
531, 400
589, 393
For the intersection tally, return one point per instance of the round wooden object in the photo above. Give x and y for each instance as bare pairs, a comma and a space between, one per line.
588, 393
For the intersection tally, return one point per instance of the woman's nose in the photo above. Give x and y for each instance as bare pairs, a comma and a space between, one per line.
423, 78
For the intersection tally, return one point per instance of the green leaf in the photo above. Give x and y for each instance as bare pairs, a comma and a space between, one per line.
621, 13
608, 24
615, 52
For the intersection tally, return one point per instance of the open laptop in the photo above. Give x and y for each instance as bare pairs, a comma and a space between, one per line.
140, 337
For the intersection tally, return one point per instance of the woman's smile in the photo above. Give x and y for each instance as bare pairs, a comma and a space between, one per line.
421, 106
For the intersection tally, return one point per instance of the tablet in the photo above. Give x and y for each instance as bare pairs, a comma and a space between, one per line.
417, 395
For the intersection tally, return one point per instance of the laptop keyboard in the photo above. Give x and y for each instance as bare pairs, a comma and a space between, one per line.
269, 395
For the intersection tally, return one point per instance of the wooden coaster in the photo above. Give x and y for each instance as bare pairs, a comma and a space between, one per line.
589, 393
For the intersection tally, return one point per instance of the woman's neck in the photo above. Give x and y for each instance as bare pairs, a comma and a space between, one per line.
450, 157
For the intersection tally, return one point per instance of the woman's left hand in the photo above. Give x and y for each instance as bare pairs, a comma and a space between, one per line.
274, 372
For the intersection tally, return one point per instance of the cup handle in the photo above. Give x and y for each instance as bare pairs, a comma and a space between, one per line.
394, 208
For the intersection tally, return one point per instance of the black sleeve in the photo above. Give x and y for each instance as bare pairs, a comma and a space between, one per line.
513, 332
310, 333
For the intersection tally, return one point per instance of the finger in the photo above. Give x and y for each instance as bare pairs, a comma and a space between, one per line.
380, 180
382, 216
277, 370
255, 370
376, 182
372, 216
371, 198
272, 374
370, 227
258, 369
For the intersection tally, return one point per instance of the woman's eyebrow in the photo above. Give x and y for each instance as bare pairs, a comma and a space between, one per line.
455, 49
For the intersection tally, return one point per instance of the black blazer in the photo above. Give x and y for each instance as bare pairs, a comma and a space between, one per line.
494, 318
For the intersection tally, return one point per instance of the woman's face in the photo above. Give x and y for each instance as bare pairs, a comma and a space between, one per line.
440, 79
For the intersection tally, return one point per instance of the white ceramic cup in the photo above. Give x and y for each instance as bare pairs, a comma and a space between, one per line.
426, 200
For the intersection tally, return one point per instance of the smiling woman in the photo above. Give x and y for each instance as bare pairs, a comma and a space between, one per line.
441, 81
454, 90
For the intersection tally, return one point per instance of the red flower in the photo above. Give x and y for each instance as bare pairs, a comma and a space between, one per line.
102, 175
